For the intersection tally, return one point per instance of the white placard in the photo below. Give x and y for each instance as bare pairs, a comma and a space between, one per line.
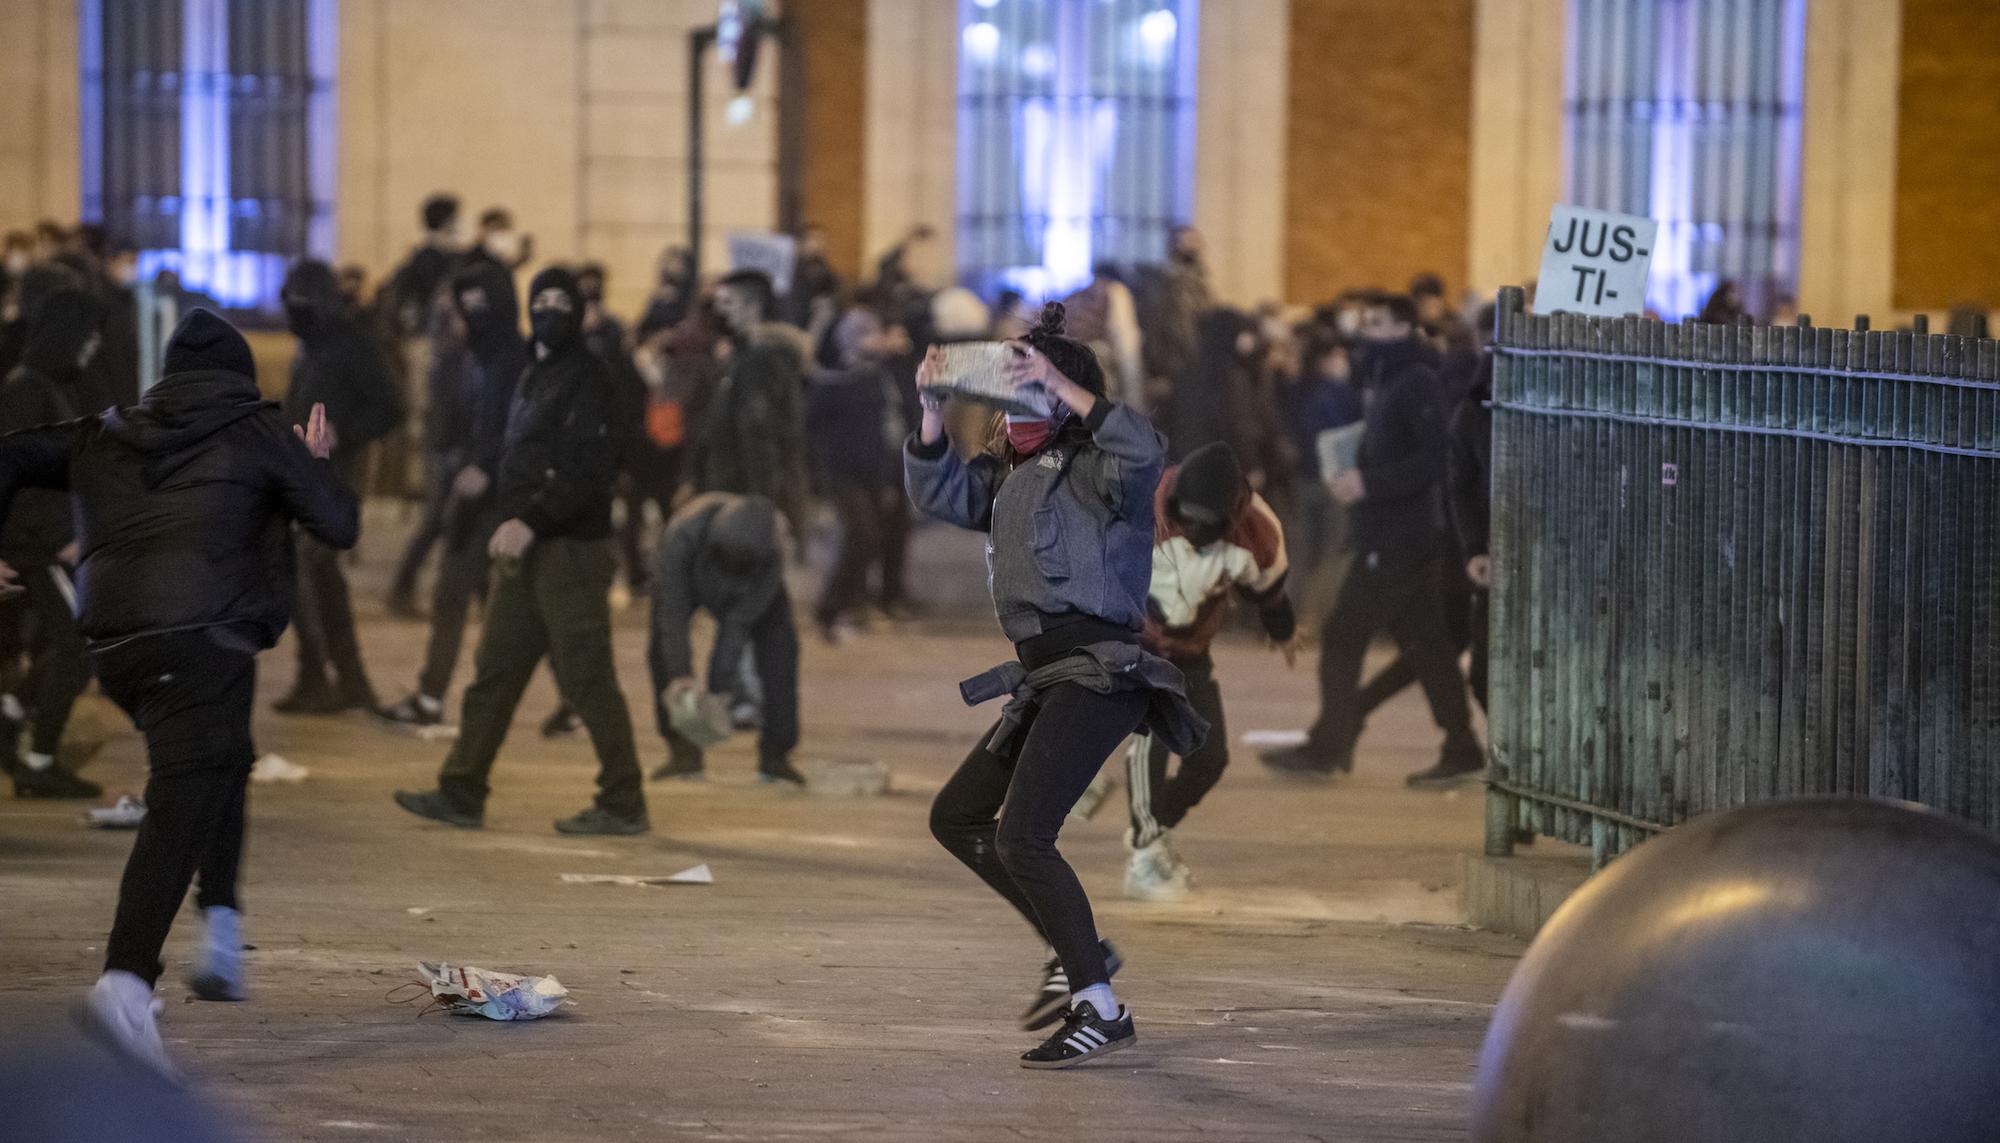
767, 251
1595, 262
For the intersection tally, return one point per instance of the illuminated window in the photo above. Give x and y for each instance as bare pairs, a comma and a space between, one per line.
1075, 136
208, 137
1688, 111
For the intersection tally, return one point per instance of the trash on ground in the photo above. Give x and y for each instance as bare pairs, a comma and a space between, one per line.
278, 768
126, 813
467, 991
847, 778
1274, 738
417, 910
696, 875
442, 732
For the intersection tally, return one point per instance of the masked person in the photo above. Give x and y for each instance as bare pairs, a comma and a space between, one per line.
50, 385
182, 506
1067, 503
1215, 540
470, 441
1398, 537
338, 365
751, 440
720, 554
550, 594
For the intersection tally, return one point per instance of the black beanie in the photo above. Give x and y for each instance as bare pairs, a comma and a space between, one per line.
1210, 479
204, 342
1077, 361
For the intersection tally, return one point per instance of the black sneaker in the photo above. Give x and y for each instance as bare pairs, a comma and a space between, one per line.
1084, 1035
599, 822
53, 782
1307, 762
412, 711
780, 773
1448, 772
680, 770
434, 805
1050, 1003
561, 722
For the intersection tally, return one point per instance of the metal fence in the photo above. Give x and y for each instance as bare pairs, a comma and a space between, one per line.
1734, 563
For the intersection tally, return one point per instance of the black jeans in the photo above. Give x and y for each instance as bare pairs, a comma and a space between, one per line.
774, 651
552, 602
41, 622
430, 529
1455, 596
895, 542
651, 473
1159, 803
1399, 596
326, 620
191, 698
461, 578
1060, 750
858, 503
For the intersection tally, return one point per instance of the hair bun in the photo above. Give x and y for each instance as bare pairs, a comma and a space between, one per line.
1055, 317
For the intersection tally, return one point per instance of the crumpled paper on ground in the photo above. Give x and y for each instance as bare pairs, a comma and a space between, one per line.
468, 991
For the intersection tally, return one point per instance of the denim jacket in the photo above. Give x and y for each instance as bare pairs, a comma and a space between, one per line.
1069, 530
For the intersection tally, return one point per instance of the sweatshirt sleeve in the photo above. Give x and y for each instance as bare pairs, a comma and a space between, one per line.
1469, 477
311, 489
35, 458
1124, 469
669, 651
949, 488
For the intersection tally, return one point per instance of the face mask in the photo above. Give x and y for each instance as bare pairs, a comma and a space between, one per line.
504, 245
553, 318
1029, 435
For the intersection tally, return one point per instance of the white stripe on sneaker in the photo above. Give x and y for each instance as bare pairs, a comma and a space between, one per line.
1076, 1044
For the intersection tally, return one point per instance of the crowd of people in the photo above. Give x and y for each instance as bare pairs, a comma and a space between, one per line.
1169, 455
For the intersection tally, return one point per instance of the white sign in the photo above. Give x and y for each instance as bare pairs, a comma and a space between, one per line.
763, 250
1595, 263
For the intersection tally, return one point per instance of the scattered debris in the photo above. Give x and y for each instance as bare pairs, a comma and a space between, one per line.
278, 768
847, 778
695, 875
417, 910
467, 991
442, 732
126, 813
1274, 738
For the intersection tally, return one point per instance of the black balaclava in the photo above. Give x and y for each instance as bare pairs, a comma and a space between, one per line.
484, 295
557, 322
65, 322
1208, 491
313, 302
203, 342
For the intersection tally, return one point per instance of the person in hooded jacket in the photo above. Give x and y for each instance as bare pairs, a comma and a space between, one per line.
338, 365
550, 594
183, 507
751, 438
720, 554
469, 442
1066, 499
1397, 532
51, 384
1214, 541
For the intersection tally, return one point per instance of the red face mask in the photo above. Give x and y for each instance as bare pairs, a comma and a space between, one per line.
1029, 437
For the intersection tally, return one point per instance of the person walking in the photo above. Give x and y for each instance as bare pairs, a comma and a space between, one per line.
182, 507
1067, 502
470, 445
851, 409
338, 366
1398, 535
51, 384
550, 594
720, 554
1215, 540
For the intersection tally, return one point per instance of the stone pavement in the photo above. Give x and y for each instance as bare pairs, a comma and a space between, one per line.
842, 978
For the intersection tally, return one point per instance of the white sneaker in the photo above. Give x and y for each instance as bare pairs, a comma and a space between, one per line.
1152, 875
220, 974
122, 1012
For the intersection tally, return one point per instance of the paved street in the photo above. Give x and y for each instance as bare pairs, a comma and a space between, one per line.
842, 978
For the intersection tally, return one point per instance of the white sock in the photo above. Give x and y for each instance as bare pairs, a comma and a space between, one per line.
11, 707
37, 762
1100, 998
429, 705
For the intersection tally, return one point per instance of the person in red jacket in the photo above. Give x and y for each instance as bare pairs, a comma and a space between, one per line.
1214, 540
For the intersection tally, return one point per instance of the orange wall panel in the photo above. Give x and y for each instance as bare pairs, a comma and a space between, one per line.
1948, 155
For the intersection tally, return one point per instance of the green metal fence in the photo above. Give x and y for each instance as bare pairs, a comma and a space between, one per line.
1734, 563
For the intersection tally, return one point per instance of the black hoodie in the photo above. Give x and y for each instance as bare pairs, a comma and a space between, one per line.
338, 364
1403, 448
182, 502
561, 454
484, 295
49, 385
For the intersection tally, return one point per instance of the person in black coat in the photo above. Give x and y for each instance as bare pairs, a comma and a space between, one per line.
550, 593
1397, 536
1470, 488
468, 438
183, 507
339, 366
51, 384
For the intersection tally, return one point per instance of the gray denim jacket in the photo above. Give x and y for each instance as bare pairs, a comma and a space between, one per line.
1069, 531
